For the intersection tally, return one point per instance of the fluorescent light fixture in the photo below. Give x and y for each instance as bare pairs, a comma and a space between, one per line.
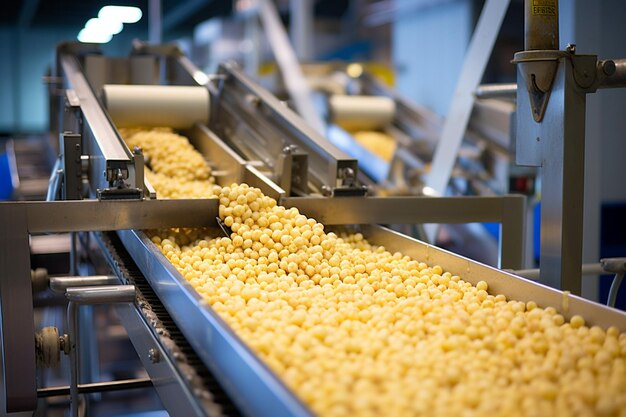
124, 14
94, 36
104, 25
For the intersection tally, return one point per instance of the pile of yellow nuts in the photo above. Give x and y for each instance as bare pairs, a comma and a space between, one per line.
176, 170
355, 330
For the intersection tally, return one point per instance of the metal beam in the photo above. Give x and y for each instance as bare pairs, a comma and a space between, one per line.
457, 119
387, 11
285, 56
507, 210
94, 215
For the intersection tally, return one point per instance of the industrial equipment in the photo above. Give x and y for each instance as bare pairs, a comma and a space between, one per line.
196, 362
552, 86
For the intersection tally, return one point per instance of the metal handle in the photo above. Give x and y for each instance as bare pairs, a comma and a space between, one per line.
109, 294
61, 284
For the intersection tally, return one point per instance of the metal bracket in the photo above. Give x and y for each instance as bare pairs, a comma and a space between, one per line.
539, 69
292, 170
71, 164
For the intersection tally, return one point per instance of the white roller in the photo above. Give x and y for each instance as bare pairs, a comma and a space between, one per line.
177, 107
361, 112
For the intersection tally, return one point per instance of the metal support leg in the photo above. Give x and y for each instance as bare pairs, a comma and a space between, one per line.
557, 144
562, 179
18, 389
512, 232
73, 254
112, 294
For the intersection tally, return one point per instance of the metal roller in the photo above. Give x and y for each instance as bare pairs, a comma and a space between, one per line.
361, 112
177, 107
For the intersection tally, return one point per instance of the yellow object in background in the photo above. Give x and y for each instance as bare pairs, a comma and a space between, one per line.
379, 143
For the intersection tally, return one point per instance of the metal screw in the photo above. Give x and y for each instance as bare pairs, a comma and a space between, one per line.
253, 100
64, 344
154, 355
326, 190
137, 150
571, 47
538, 139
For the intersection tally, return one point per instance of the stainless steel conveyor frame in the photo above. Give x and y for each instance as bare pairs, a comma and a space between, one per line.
255, 389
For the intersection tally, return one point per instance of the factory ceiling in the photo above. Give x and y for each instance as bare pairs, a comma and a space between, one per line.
74, 13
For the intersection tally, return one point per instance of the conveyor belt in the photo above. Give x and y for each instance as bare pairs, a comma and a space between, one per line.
203, 384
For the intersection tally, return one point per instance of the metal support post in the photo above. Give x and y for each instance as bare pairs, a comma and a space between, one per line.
18, 387
154, 22
301, 28
557, 145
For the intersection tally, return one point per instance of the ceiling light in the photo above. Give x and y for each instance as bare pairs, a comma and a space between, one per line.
124, 14
104, 25
94, 36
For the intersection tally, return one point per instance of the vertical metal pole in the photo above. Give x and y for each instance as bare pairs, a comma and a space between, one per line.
18, 389
562, 138
73, 254
541, 25
155, 31
301, 28
252, 57
512, 228
557, 146
73, 329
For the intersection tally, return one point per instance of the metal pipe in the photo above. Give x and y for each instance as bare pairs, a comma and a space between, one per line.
586, 269
617, 282
615, 71
73, 254
60, 284
102, 294
301, 28
541, 25
73, 329
96, 387
508, 90
155, 32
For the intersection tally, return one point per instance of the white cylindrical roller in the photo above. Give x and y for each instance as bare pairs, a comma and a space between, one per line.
361, 112
177, 107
